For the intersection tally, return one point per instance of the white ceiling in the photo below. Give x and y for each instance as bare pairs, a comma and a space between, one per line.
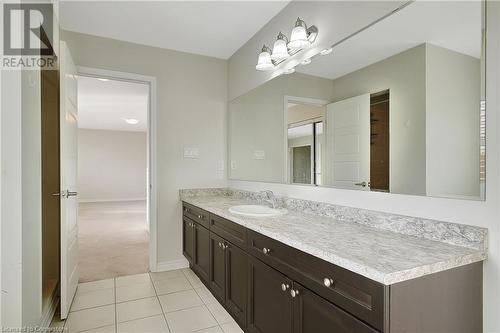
105, 105
211, 28
454, 25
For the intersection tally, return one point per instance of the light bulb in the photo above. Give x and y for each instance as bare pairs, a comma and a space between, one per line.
280, 51
298, 38
264, 63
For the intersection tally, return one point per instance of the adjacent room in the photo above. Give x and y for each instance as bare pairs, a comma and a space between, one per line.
112, 178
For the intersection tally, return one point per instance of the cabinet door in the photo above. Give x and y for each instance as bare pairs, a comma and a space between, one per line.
217, 279
201, 259
236, 282
314, 314
188, 239
269, 307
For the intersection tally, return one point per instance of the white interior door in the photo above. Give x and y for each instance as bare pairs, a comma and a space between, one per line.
348, 143
69, 203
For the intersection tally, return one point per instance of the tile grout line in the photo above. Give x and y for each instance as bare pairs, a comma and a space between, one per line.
205, 305
161, 306
116, 315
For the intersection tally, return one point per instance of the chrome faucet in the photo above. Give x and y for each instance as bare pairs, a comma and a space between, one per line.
269, 197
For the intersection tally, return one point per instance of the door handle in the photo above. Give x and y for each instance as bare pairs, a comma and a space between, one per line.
363, 184
71, 194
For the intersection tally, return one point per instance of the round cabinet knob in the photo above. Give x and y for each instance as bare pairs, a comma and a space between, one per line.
328, 282
284, 286
294, 293
266, 250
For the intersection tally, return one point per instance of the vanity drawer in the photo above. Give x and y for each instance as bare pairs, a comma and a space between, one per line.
232, 232
362, 297
270, 251
196, 214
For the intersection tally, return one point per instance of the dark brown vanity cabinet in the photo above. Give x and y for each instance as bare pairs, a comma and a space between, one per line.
269, 300
196, 240
201, 259
188, 239
217, 267
270, 287
314, 314
228, 276
195, 247
278, 304
236, 283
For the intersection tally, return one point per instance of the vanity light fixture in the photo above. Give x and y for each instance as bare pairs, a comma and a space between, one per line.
131, 121
306, 61
265, 63
326, 51
302, 36
280, 50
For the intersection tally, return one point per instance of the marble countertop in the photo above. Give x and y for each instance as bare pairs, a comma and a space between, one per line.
384, 256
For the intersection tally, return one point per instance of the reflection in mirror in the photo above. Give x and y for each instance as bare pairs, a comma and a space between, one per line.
398, 107
305, 135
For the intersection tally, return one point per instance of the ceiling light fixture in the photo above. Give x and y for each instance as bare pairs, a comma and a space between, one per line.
283, 48
326, 51
131, 121
280, 50
103, 80
265, 63
306, 61
289, 71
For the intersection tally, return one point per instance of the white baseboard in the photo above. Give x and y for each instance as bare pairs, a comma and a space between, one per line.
171, 265
111, 200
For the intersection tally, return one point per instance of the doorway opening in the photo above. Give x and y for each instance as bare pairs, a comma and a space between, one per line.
305, 140
379, 141
113, 181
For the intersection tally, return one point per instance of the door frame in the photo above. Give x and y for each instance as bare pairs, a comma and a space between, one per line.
152, 186
300, 100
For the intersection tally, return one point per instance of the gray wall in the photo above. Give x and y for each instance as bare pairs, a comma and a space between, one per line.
111, 165
256, 122
453, 83
191, 112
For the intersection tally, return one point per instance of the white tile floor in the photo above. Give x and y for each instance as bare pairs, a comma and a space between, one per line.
174, 301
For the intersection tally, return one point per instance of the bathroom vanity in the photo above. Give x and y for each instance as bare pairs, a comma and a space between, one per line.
318, 269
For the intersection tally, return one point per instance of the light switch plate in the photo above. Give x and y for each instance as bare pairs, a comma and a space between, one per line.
191, 153
233, 165
259, 155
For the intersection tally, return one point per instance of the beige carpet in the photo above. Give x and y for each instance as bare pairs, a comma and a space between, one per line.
113, 239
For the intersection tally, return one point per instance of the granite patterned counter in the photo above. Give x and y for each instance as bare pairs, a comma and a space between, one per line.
385, 252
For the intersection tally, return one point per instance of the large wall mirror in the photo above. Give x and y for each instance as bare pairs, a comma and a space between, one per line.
397, 107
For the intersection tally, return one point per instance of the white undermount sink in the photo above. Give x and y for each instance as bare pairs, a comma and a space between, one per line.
256, 211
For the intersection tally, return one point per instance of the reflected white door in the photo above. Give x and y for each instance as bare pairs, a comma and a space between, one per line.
69, 155
348, 143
